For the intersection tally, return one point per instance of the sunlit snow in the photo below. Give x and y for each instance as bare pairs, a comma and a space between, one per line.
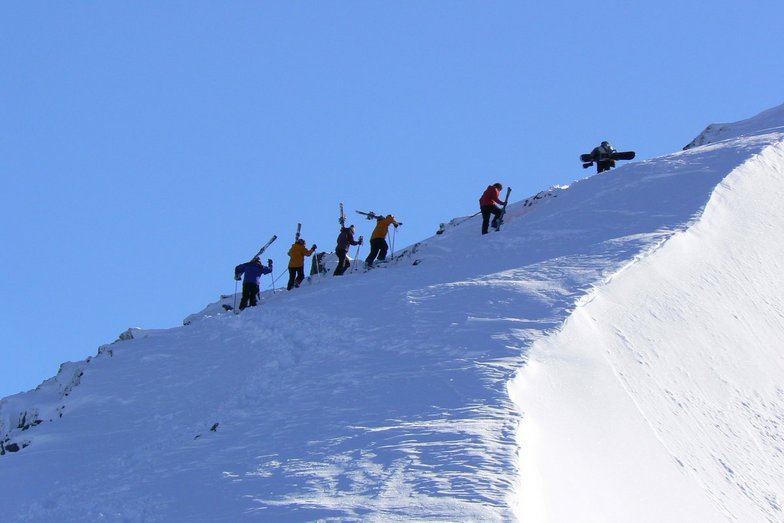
613, 354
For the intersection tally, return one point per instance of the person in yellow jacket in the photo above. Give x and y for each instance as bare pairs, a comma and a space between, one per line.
297, 255
378, 240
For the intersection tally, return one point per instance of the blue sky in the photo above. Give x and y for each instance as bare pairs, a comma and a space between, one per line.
146, 148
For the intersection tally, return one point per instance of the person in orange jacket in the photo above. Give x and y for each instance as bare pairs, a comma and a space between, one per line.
297, 255
487, 205
378, 240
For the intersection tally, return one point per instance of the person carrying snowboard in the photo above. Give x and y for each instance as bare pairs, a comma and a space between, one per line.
345, 241
251, 273
297, 255
602, 155
378, 240
487, 205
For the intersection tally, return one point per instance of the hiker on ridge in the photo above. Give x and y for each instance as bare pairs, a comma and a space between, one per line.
297, 255
487, 205
252, 272
602, 155
378, 240
345, 241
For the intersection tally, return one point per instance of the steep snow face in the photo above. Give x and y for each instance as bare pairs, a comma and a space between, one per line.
374, 396
662, 398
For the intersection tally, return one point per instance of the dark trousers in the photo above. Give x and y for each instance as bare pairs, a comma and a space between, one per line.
378, 247
343, 262
296, 275
604, 165
487, 210
250, 292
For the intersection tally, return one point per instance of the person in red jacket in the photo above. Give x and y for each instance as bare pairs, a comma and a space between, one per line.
487, 205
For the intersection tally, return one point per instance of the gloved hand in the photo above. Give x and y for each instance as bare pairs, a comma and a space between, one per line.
360, 240
313, 247
237, 277
269, 263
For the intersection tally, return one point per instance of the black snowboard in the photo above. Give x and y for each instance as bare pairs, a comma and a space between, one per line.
619, 155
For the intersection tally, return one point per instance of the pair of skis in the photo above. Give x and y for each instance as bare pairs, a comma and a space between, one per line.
370, 215
264, 247
500, 218
275, 237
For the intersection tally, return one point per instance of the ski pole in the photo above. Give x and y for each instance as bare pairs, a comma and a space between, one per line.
356, 257
394, 234
276, 279
319, 257
466, 219
236, 281
391, 244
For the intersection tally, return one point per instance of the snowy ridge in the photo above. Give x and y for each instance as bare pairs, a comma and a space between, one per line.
766, 122
386, 395
18, 415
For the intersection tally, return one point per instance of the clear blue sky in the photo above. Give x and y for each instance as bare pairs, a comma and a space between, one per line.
146, 148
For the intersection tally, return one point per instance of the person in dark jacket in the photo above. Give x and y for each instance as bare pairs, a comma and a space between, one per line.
251, 273
297, 255
602, 155
487, 205
345, 241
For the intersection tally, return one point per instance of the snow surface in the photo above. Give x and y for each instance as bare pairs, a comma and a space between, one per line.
611, 355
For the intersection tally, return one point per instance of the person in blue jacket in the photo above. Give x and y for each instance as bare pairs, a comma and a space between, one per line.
252, 272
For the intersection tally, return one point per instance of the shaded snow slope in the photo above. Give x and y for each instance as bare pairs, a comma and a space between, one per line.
665, 389
376, 396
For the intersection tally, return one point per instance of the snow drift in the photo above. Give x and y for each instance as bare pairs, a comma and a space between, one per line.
632, 318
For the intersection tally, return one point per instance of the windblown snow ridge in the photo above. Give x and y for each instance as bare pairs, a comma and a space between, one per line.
664, 391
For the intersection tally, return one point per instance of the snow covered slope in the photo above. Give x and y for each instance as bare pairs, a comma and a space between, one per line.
386, 395
664, 392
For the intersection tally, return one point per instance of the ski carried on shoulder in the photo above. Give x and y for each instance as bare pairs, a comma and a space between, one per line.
370, 215
264, 247
342, 219
500, 219
299, 229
